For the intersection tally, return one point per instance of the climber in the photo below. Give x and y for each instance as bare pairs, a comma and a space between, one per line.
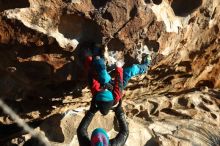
108, 92
99, 136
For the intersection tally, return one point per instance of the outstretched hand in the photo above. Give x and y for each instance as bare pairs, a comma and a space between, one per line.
93, 107
118, 109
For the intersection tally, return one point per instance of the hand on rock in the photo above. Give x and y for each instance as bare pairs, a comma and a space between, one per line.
120, 63
149, 57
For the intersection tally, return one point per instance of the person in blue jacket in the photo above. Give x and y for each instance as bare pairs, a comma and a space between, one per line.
105, 91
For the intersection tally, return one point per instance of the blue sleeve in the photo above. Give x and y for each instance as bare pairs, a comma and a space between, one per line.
103, 75
134, 70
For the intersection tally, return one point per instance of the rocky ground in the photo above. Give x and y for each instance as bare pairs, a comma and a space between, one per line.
41, 75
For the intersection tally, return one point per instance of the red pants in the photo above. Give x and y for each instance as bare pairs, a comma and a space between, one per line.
95, 85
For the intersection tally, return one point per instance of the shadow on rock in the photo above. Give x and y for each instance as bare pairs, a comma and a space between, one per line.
36, 78
99, 3
7, 132
55, 133
33, 142
152, 142
182, 92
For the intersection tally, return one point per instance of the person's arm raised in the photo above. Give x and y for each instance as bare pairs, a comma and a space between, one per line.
82, 133
122, 136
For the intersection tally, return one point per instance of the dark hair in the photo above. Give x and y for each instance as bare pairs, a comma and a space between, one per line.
104, 106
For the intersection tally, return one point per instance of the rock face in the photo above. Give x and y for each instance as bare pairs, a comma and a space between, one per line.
42, 74
189, 118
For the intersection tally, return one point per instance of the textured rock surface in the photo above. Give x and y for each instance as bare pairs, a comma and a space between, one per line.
184, 118
41, 73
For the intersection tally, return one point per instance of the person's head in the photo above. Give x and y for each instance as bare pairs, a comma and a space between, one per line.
99, 138
104, 101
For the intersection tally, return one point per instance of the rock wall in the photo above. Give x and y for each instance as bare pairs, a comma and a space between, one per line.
189, 118
125, 27
41, 68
